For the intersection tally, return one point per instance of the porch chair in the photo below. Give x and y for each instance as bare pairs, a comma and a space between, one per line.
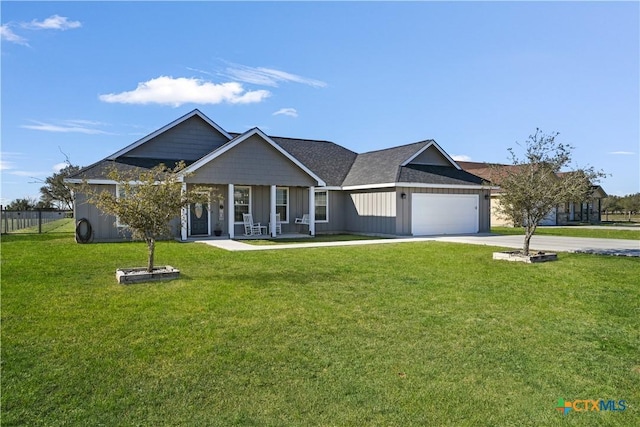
278, 225
303, 220
251, 228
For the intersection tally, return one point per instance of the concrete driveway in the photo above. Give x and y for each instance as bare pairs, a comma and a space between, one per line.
554, 243
542, 243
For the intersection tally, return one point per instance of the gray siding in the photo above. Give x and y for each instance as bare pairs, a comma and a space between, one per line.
103, 226
431, 156
252, 162
187, 141
403, 219
371, 211
337, 218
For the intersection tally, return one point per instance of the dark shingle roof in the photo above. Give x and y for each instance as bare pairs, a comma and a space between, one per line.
100, 169
334, 164
430, 174
329, 161
382, 166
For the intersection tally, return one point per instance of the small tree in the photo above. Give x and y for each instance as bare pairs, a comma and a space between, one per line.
534, 185
148, 200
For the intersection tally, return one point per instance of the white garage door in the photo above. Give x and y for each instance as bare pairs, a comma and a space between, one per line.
444, 214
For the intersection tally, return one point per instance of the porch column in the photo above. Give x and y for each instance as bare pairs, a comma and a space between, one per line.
312, 211
272, 210
184, 215
230, 212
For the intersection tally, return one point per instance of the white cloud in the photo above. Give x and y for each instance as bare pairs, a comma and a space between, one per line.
68, 126
177, 91
461, 158
54, 22
267, 76
59, 166
5, 165
29, 174
7, 34
622, 153
291, 112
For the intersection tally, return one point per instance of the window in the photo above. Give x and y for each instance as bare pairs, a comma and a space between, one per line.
241, 202
120, 194
322, 206
282, 203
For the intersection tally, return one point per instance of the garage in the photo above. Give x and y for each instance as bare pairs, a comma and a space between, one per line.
444, 214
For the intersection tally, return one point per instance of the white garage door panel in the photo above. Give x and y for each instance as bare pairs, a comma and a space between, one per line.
444, 214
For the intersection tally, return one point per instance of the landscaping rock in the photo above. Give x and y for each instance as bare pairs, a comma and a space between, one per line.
127, 276
533, 257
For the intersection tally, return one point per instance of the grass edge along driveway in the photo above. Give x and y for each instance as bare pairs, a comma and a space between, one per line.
422, 334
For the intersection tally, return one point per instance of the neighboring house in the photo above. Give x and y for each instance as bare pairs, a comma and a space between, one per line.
414, 189
572, 211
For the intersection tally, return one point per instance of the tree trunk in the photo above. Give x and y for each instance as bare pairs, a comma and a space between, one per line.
151, 245
528, 233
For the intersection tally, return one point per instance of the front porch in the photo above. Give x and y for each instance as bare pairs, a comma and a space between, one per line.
278, 212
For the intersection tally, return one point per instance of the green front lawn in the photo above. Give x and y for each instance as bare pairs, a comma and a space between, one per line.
573, 231
408, 334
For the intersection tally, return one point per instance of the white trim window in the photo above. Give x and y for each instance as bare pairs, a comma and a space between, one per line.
282, 203
322, 205
241, 203
119, 194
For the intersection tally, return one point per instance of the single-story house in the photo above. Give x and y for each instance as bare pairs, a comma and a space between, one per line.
314, 186
570, 212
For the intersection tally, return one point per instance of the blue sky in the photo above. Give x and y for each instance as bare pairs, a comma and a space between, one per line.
88, 78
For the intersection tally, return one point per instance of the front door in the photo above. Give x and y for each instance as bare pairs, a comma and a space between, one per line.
199, 218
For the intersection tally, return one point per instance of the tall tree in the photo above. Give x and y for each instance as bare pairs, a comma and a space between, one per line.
535, 184
55, 191
25, 204
147, 201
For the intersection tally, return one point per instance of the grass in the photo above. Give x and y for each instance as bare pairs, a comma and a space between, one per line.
59, 225
573, 231
397, 335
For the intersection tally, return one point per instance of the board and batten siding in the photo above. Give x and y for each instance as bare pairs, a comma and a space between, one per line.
104, 228
431, 156
190, 140
371, 211
252, 162
403, 219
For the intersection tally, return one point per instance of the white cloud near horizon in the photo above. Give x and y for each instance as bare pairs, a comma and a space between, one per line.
167, 90
291, 112
461, 158
68, 126
5, 165
54, 22
7, 34
29, 174
622, 153
267, 76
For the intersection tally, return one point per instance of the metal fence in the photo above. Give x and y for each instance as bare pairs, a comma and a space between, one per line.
32, 221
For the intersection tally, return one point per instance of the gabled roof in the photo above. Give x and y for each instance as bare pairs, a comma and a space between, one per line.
163, 129
394, 165
330, 161
381, 166
329, 164
243, 137
435, 145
